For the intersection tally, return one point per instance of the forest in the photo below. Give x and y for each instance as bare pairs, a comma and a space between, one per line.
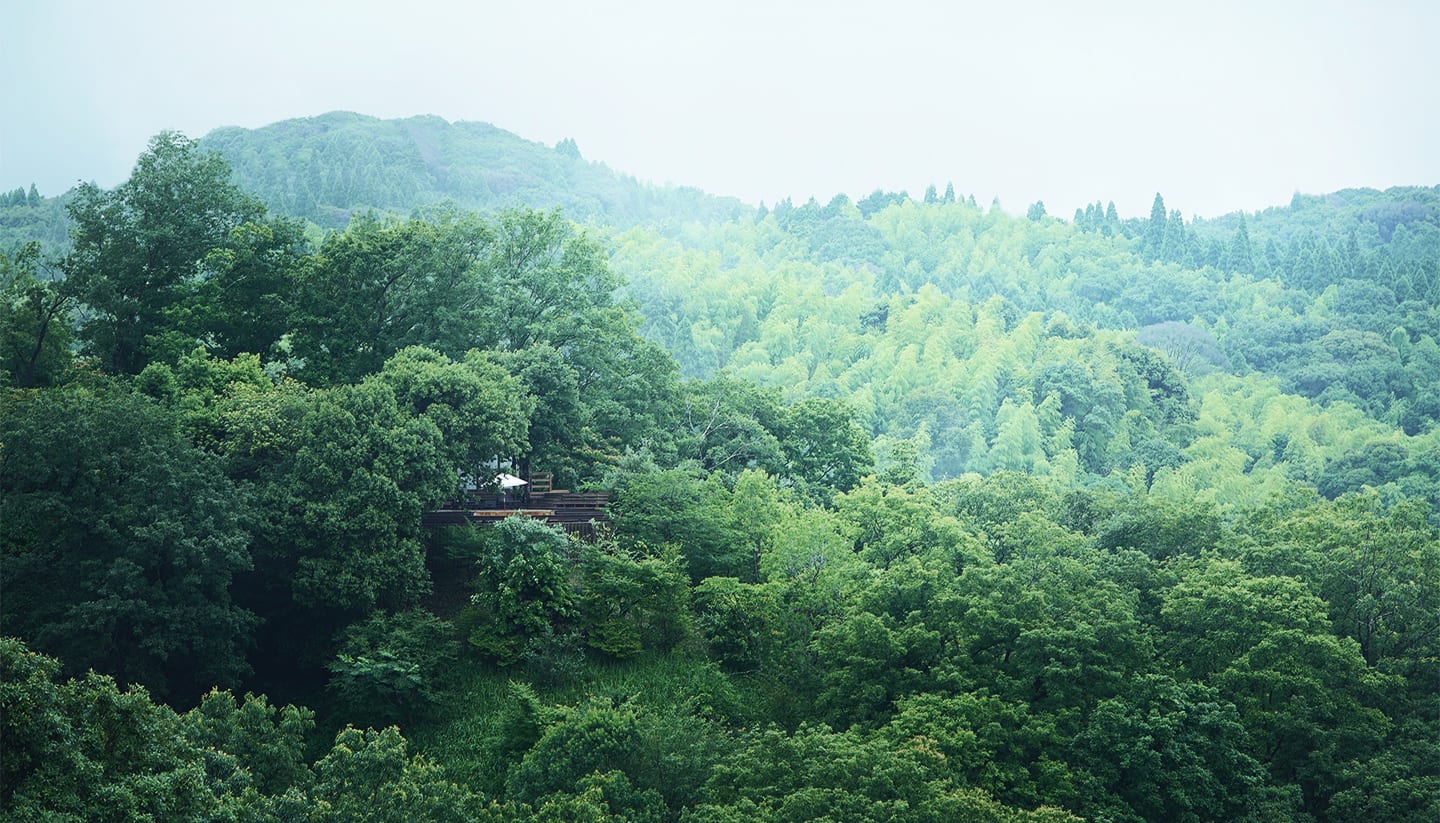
919, 510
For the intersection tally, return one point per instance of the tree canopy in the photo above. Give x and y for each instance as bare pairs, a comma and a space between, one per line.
913, 510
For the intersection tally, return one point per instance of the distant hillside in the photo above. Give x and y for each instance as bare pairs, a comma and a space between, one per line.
24, 219
326, 168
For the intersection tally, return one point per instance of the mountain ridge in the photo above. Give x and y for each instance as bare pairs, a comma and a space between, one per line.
328, 167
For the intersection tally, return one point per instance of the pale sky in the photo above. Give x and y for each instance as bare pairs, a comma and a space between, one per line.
1218, 105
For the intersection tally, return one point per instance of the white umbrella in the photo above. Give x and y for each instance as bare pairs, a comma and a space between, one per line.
508, 481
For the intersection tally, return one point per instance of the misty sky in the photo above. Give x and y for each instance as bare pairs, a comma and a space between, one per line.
1218, 105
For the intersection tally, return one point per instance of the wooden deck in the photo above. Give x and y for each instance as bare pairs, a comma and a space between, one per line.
575, 512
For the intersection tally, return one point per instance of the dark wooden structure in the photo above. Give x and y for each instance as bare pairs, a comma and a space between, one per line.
575, 512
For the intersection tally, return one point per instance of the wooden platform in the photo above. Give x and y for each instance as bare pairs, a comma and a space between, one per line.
575, 512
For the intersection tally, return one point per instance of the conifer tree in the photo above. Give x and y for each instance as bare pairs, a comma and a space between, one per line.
1238, 256
1155, 230
1176, 244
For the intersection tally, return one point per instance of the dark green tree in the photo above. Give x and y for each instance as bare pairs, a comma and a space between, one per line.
1239, 254
824, 447
244, 297
685, 509
1154, 238
371, 775
729, 425
545, 283
250, 744
628, 603
342, 511
120, 541
524, 591
86, 750
740, 622
379, 286
557, 436
992, 744
482, 412
1171, 750
139, 251
390, 667
34, 321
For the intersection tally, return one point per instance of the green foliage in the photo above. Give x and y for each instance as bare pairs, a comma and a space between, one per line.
823, 445
1161, 529
819, 774
680, 508
138, 260
120, 541
627, 603
888, 523
1377, 571
370, 775
481, 411
1058, 646
389, 666
85, 750
1178, 563
525, 286
1308, 701
28, 217
980, 740
740, 622
209, 394
1216, 613
596, 738
867, 664
647, 760
378, 287
1170, 751
343, 509
251, 744
244, 300
326, 168
1403, 783
727, 425
524, 589
557, 434
34, 321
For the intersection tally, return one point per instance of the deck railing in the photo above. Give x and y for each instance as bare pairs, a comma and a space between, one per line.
573, 511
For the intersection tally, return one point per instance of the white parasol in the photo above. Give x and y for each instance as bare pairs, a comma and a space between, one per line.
508, 481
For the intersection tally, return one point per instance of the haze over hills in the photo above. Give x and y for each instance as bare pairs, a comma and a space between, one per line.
929, 496
328, 167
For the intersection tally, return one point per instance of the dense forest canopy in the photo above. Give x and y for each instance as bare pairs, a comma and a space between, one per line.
918, 510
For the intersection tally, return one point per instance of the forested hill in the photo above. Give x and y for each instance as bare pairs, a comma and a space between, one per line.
1217, 360
930, 512
328, 167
